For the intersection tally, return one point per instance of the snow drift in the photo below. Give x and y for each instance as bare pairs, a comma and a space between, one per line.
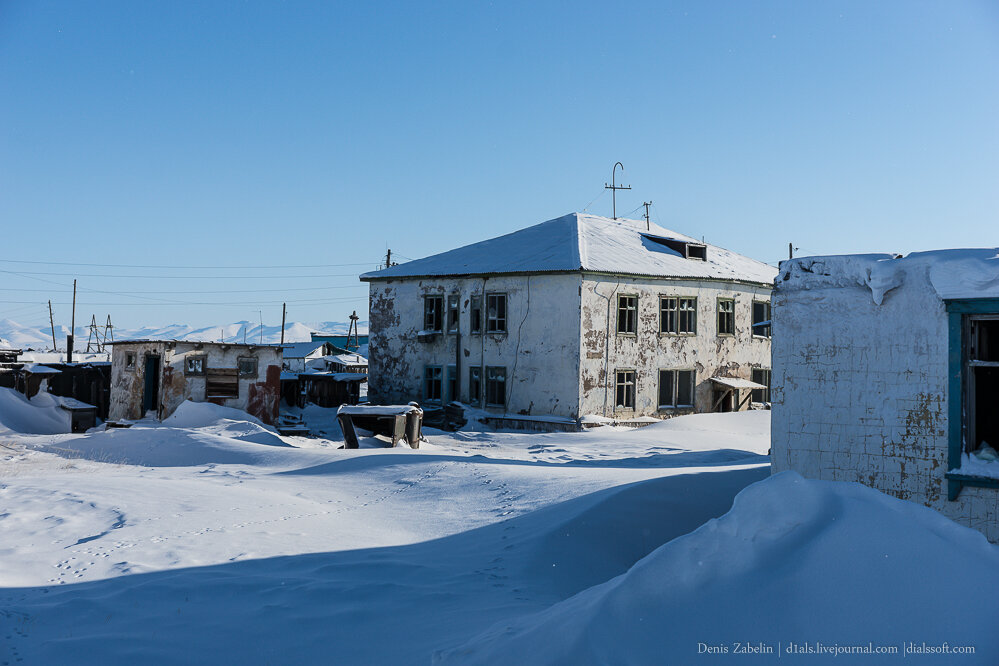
39, 416
794, 560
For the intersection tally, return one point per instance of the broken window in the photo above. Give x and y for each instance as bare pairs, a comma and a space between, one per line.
627, 315
726, 316
475, 314
130, 361
496, 386
194, 365
433, 376
452, 383
247, 366
433, 313
761, 319
474, 386
761, 376
982, 382
677, 315
676, 388
496, 313
452, 313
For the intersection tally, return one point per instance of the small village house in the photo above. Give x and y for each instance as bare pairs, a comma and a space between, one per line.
301, 356
580, 315
886, 372
158, 375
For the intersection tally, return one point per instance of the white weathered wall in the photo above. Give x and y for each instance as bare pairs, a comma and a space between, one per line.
860, 391
540, 349
604, 351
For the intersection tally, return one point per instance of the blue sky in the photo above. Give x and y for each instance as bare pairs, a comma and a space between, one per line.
316, 135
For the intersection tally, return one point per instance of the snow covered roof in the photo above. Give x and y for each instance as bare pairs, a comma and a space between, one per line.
348, 359
301, 349
737, 383
580, 242
952, 274
39, 369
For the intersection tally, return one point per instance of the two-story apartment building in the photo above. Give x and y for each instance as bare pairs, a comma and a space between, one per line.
574, 316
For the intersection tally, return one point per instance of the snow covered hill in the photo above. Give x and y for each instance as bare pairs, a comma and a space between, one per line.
13, 334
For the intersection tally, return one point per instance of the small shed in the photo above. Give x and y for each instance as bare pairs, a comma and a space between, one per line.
82, 416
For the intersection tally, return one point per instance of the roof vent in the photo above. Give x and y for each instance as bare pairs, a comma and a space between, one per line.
685, 249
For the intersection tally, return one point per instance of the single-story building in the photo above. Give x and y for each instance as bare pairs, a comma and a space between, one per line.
886, 372
301, 356
158, 375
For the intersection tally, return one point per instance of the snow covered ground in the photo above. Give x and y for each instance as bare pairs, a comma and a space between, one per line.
211, 539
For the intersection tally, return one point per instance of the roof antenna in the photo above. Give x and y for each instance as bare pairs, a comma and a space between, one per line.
648, 225
614, 187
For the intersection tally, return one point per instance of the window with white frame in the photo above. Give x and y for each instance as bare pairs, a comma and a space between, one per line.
496, 313
676, 388
726, 316
433, 379
761, 319
496, 386
627, 315
624, 394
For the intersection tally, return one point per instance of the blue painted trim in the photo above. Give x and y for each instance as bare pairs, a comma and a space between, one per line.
956, 381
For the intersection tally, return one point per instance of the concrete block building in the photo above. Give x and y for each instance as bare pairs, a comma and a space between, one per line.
576, 316
886, 372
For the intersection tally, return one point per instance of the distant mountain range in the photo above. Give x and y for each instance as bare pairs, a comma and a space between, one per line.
15, 335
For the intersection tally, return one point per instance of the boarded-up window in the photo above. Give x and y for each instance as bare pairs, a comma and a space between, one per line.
221, 383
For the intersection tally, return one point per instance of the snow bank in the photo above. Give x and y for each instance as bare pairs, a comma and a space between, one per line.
960, 273
39, 416
200, 414
795, 560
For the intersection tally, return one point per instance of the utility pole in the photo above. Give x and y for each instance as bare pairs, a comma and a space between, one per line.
353, 331
72, 329
55, 347
648, 224
95, 335
284, 312
614, 187
790, 250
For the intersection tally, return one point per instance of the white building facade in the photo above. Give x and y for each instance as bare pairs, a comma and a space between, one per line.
886, 372
576, 316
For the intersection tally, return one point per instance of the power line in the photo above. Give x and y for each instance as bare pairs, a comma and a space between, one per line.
183, 277
196, 291
315, 301
71, 263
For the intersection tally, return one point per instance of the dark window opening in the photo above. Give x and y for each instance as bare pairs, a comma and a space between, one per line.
761, 319
627, 315
433, 313
688, 316
432, 383
761, 376
667, 315
685, 249
452, 383
496, 313
475, 314
496, 386
130, 361
452, 313
474, 386
983, 383
726, 316
676, 388
625, 393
